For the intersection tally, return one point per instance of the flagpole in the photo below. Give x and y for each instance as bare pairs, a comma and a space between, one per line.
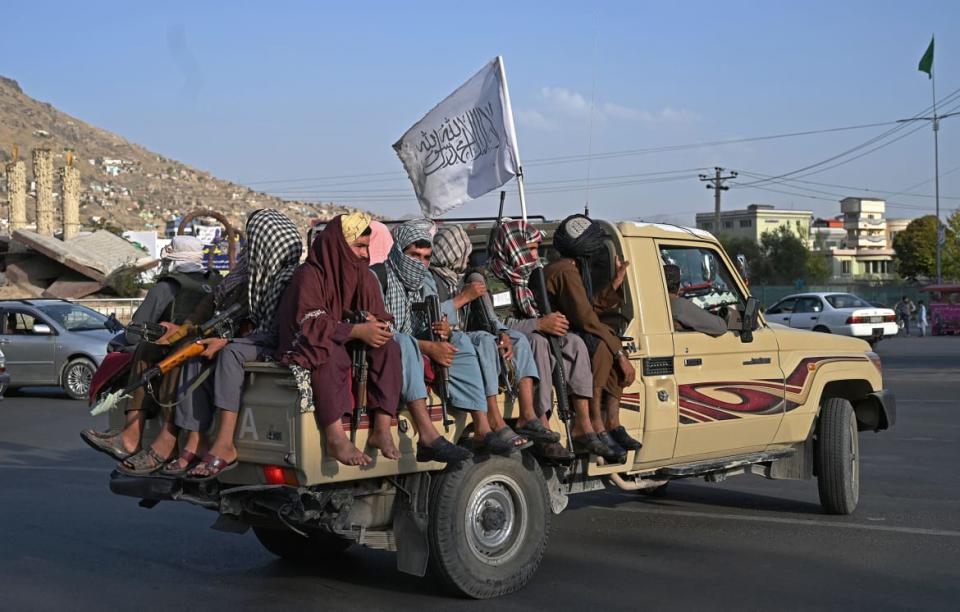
936, 166
508, 111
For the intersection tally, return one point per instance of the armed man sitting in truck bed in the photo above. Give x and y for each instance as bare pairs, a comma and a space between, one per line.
406, 281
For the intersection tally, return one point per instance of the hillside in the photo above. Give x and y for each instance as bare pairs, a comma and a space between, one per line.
124, 184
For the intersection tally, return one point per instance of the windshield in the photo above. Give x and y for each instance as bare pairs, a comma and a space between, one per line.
845, 300
74, 318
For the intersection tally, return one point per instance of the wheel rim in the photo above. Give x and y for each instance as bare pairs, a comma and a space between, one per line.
78, 379
496, 519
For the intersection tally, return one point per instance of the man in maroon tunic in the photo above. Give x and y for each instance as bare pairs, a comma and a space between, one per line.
334, 282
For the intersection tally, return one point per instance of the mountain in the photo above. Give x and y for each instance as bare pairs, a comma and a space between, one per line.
124, 184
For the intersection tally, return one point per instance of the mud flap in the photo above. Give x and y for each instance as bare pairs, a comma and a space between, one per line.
410, 524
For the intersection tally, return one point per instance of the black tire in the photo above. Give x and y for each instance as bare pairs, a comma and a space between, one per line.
292, 546
822, 329
837, 457
77, 376
489, 523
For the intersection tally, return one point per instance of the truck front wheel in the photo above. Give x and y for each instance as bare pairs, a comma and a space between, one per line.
292, 546
489, 522
837, 457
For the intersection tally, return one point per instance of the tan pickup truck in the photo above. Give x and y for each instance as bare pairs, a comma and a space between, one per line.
764, 399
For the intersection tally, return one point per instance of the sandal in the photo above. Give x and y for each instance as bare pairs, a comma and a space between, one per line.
538, 432
553, 451
590, 443
144, 463
170, 469
212, 465
492, 444
624, 439
442, 450
108, 442
515, 440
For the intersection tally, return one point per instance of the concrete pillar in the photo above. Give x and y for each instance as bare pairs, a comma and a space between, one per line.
43, 175
70, 194
17, 194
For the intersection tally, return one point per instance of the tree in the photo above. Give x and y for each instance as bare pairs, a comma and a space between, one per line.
818, 267
915, 248
783, 258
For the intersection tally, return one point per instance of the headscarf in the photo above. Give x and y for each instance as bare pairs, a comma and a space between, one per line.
580, 238
332, 282
404, 273
184, 254
354, 224
512, 262
272, 254
380, 242
451, 255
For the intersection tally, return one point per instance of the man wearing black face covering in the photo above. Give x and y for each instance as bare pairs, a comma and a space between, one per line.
571, 292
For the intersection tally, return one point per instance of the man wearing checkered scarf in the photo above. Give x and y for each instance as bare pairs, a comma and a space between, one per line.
408, 282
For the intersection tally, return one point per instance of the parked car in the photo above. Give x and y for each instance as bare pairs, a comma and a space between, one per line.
834, 313
52, 342
4, 376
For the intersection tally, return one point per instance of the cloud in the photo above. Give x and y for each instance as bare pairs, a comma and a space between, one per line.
558, 105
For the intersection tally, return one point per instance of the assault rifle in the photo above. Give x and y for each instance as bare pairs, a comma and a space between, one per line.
220, 325
151, 332
539, 286
430, 307
483, 316
361, 369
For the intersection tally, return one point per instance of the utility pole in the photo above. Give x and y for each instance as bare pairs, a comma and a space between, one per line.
715, 182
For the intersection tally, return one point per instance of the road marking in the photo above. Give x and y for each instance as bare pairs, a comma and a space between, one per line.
57, 468
787, 521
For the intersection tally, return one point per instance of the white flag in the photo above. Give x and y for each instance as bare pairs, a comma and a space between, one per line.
465, 147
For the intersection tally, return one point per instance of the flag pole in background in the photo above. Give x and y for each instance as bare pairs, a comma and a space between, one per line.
926, 65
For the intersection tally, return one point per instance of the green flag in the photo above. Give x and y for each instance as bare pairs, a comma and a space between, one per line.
926, 62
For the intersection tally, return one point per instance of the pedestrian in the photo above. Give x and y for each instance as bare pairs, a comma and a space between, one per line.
905, 310
922, 318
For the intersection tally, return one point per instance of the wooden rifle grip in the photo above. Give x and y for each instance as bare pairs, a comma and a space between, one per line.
194, 349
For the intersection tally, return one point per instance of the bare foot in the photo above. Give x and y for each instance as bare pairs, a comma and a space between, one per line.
346, 453
383, 441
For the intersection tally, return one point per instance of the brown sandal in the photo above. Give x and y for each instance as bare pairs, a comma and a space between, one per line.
144, 463
212, 466
108, 442
170, 468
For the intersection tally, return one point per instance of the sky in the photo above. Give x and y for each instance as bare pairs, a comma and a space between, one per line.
617, 104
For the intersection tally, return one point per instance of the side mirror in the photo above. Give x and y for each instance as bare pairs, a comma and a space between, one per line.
750, 318
41, 329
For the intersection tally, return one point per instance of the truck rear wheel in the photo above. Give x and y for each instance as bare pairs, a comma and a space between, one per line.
489, 522
292, 546
837, 457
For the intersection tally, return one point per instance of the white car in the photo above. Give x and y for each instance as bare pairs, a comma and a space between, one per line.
834, 313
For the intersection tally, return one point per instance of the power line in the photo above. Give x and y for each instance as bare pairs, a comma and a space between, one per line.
852, 188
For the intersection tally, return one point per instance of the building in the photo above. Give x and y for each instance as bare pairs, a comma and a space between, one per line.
756, 220
858, 242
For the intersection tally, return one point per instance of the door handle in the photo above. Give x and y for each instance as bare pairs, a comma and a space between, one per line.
694, 361
757, 361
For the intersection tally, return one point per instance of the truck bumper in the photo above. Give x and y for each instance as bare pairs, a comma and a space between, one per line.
152, 489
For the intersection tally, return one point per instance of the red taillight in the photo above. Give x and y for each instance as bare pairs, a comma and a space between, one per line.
855, 320
276, 475
892, 318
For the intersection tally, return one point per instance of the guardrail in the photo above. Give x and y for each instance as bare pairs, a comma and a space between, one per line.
123, 308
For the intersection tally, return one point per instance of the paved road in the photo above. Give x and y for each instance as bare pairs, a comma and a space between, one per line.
745, 544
